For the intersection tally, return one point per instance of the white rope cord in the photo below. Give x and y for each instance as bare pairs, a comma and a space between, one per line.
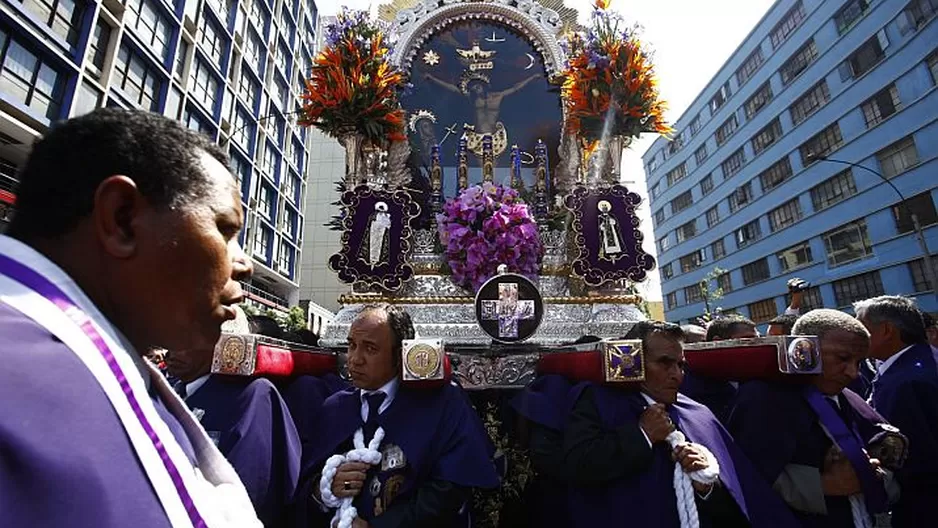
683, 488
346, 513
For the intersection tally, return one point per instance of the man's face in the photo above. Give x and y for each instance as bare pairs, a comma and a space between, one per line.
425, 127
370, 351
664, 361
188, 365
775, 330
932, 333
477, 89
841, 353
187, 265
879, 338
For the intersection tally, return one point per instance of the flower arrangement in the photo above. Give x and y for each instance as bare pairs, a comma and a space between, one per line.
488, 225
353, 87
609, 84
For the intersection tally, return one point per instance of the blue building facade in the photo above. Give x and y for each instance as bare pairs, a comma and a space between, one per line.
757, 186
232, 69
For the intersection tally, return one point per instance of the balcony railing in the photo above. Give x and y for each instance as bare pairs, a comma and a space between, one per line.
265, 297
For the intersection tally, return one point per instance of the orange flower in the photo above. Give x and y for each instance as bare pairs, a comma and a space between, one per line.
601, 4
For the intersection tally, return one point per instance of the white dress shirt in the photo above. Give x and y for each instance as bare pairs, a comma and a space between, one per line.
390, 391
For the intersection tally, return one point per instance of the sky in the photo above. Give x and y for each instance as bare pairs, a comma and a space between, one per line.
691, 40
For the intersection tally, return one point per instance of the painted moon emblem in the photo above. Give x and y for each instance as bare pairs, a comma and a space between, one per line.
530, 58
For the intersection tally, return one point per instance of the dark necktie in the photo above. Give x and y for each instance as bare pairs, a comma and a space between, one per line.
180, 388
375, 399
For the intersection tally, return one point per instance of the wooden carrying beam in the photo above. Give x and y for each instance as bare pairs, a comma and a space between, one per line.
618, 362
257, 355
771, 357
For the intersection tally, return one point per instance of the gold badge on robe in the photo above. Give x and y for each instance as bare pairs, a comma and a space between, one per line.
392, 458
392, 488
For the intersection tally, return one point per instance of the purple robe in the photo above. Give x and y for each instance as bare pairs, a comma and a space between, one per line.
907, 395
430, 434
716, 395
544, 403
304, 396
775, 426
649, 499
252, 427
65, 458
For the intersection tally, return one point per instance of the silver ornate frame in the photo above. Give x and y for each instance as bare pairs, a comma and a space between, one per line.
414, 26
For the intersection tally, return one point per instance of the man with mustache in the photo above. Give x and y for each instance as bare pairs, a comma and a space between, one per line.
809, 441
431, 446
125, 239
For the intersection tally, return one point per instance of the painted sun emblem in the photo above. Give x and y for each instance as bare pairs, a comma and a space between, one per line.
431, 58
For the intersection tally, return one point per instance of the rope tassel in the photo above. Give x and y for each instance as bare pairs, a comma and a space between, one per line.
346, 513
684, 489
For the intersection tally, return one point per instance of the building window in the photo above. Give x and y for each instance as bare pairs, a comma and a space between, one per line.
756, 271
265, 201
916, 14
809, 103
664, 243
683, 201
88, 99
283, 259
787, 25
202, 84
666, 271
243, 129
898, 157
261, 241
810, 299
822, 144
137, 79
151, 24
749, 66
240, 168
270, 162
758, 100
776, 174
695, 125
725, 282
653, 164
283, 58
676, 174
181, 51
880, 106
706, 184
654, 191
717, 249
920, 280
932, 63
29, 80
834, 190
97, 48
849, 14
726, 130
868, 55
798, 62
795, 257
686, 231
857, 288
211, 41
296, 156
713, 216
847, 243
659, 216
720, 98
248, 89
693, 294
672, 300
762, 311
222, 8
700, 155
279, 96
693, 261
922, 205
748, 234
734, 163
740, 197
62, 16
676, 144
785, 215
258, 15
253, 49
194, 121
766, 137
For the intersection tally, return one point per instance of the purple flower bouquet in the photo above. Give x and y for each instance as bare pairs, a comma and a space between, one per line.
488, 225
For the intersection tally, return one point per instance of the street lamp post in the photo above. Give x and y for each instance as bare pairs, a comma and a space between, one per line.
929, 267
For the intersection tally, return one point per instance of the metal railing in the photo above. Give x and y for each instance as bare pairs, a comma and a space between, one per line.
262, 295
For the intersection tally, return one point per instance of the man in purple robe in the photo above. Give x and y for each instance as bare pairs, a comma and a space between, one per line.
434, 448
809, 440
251, 425
718, 395
622, 467
125, 240
905, 391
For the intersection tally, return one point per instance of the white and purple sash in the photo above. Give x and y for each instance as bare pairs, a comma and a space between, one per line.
189, 499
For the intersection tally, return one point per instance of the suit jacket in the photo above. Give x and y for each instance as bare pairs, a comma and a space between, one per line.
907, 395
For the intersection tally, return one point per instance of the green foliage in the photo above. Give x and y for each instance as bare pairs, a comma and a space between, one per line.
711, 296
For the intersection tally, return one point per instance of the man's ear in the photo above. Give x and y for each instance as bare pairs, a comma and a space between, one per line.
117, 203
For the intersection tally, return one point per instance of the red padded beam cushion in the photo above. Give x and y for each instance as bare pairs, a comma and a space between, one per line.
281, 362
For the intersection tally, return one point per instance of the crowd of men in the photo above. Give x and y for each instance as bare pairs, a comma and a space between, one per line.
126, 242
